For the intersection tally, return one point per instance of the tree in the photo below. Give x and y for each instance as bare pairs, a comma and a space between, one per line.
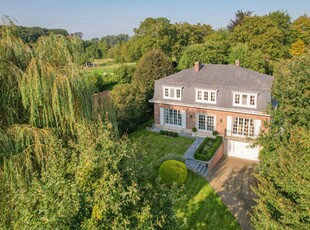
283, 21
249, 59
60, 165
283, 173
152, 66
301, 29
156, 33
215, 50
261, 33
239, 16
297, 48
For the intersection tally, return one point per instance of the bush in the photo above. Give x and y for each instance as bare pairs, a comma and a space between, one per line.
162, 132
175, 134
194, 129
215, 133
166, 132
171, 157
200, 155
173, 171
170, 133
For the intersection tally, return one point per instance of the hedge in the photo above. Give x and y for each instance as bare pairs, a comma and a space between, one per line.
169, 133
205, 157
173, 171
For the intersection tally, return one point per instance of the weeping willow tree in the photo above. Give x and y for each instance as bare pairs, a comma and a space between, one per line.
60, 165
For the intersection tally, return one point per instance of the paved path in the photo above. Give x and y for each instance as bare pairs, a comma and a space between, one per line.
198, 167
232, 178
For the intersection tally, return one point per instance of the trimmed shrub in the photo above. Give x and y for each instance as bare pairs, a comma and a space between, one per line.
194, 129
162, 132
215, 133
166, 132
171, 157
175, 134
201, 155
173, 171
170, 133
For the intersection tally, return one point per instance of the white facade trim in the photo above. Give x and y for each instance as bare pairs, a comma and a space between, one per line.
200, 106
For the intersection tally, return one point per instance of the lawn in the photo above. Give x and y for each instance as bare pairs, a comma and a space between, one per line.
203, 209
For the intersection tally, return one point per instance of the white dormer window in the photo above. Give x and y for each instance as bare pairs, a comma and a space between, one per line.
244, 99
172, 93
206, 96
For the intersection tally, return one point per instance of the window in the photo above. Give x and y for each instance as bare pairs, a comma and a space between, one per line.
207, 96
172, 93
206, 122
173, 117
243, 127
244, 100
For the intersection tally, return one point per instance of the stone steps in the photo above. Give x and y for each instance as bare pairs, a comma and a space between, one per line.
199, 168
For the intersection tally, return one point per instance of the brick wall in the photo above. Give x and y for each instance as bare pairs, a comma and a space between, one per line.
220, 116
217, 156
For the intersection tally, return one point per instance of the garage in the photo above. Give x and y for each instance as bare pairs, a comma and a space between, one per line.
242, 150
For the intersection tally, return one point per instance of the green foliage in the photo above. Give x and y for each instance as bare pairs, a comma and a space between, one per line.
152, 66
214, 50
215, 133
130, 104
132, 100
194, 129
301, 29
172, 171
239, 16
283, 173
251, 59
169, 133
297, 48
261, 33
291, 89
208, 148
125, 73
60, 166
171, 157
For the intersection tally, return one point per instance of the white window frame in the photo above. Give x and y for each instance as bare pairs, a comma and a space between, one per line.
248, 105
179, 117
249, 130
209, 92
206, 115
174, 97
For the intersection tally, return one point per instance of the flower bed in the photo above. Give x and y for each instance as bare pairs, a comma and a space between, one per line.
208, 148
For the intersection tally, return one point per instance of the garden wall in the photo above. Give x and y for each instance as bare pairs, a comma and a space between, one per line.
216, 157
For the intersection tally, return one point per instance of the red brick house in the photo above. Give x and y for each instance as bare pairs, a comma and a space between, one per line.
227, 98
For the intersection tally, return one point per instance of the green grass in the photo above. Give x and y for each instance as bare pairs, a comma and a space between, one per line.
203, 208
107, 73
158, 145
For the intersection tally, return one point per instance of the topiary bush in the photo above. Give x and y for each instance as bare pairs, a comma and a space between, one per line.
162, 132
173, 171
171, 156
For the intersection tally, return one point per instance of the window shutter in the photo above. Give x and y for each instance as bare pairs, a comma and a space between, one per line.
162, 116
257, 124
228, 128
183, 119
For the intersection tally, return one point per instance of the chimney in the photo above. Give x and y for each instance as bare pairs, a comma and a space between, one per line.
237, 63
197, 66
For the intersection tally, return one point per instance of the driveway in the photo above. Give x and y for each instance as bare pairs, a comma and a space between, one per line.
232, 178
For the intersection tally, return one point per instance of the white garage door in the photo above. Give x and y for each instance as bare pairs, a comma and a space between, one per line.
242, 150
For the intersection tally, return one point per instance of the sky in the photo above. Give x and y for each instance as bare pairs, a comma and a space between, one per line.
97, 18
